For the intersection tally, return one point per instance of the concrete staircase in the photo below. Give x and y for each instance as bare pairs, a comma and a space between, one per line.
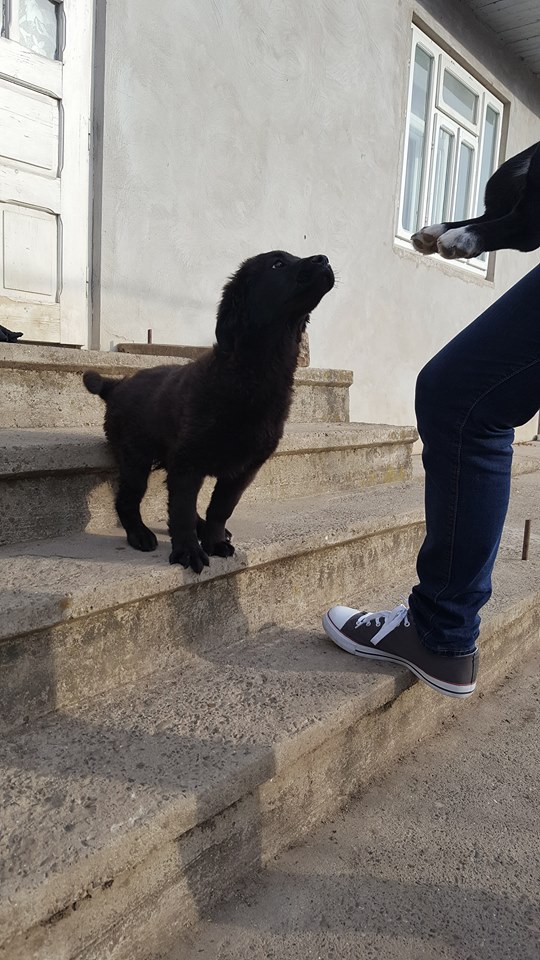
162, 733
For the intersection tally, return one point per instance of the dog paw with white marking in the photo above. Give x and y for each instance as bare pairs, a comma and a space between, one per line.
461, 243
425, 241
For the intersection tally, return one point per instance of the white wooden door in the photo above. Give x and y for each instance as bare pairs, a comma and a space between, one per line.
45, 84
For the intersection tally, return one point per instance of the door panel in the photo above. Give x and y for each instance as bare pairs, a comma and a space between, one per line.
45, 82
26, 231
29, 124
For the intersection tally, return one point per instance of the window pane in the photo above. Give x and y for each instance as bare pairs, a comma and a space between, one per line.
464, 181
38, 26
489, 143
421, 83
457, 96
442, 182
414, 172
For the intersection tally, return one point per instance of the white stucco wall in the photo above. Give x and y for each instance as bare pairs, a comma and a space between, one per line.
235, 126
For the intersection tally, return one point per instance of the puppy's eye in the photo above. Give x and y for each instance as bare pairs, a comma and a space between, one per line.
277, 264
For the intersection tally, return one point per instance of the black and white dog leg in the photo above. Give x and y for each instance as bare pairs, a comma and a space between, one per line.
425, 241
460, 243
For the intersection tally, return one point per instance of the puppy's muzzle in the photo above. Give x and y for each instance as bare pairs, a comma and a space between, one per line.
314, 267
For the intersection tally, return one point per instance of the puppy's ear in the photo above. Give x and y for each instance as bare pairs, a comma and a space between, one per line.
231, 316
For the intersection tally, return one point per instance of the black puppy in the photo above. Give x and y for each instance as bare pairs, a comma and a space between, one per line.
511, 219
222, 415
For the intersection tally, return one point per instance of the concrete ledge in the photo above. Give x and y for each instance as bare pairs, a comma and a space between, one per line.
53, 483
162, 350
42, 387
25, 453
526, 460
86, 614
128, 818
39, 358
191, 352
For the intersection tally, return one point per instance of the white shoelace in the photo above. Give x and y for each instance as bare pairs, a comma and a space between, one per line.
387, 620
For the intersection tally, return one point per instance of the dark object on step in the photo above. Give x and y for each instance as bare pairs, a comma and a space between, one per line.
222, 415
7, 336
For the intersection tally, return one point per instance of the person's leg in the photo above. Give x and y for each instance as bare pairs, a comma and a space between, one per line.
469, 399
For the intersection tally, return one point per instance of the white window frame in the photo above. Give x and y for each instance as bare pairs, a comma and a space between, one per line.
440, 114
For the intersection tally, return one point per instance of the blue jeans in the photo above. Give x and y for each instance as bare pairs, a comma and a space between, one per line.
469, 398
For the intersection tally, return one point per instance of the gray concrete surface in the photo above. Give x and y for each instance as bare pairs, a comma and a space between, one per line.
438, 860
42, 387
526, 460
126, 817
27, 451
55, 482
160, 781
75, 609
176, 350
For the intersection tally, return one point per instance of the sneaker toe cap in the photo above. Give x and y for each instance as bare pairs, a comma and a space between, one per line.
340, 615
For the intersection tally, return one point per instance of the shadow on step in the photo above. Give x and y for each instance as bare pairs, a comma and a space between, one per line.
85, 616
354, 905
206, 772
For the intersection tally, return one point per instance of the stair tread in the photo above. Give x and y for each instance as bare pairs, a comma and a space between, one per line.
73, 576
29, 357
92, 791
39, 450
76, 575
526, 459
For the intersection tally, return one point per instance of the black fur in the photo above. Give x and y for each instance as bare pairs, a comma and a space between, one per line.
222, 415
7, 336
511, 219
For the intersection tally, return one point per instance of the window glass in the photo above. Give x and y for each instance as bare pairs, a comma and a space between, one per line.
423, 68
442, 182
38, 26
457, 96
489, 160
464, 182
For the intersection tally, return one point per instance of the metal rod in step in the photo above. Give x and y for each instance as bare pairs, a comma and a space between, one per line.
526, 540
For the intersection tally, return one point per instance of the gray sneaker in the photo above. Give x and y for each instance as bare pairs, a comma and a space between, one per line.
391, 635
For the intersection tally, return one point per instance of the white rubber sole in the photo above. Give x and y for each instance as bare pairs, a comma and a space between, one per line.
461, 691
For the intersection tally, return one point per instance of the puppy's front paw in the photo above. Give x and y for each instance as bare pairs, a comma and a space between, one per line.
218, 548
215, 538
190, 555
142, 539
425, 241
202, 529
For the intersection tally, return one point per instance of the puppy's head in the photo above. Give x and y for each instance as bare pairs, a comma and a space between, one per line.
270, 297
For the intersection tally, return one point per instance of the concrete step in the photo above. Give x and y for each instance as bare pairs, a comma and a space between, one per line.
191, 352
42, 387
414, 865
526, 460
55, 482
126, 818
85, 613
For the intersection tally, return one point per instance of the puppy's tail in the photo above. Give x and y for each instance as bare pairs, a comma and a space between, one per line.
95, 383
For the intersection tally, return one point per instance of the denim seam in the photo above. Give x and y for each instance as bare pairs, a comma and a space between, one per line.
457, 477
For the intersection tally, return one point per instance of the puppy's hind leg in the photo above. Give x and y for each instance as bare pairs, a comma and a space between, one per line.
134, 470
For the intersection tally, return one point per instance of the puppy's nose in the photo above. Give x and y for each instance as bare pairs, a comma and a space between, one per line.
320, 258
